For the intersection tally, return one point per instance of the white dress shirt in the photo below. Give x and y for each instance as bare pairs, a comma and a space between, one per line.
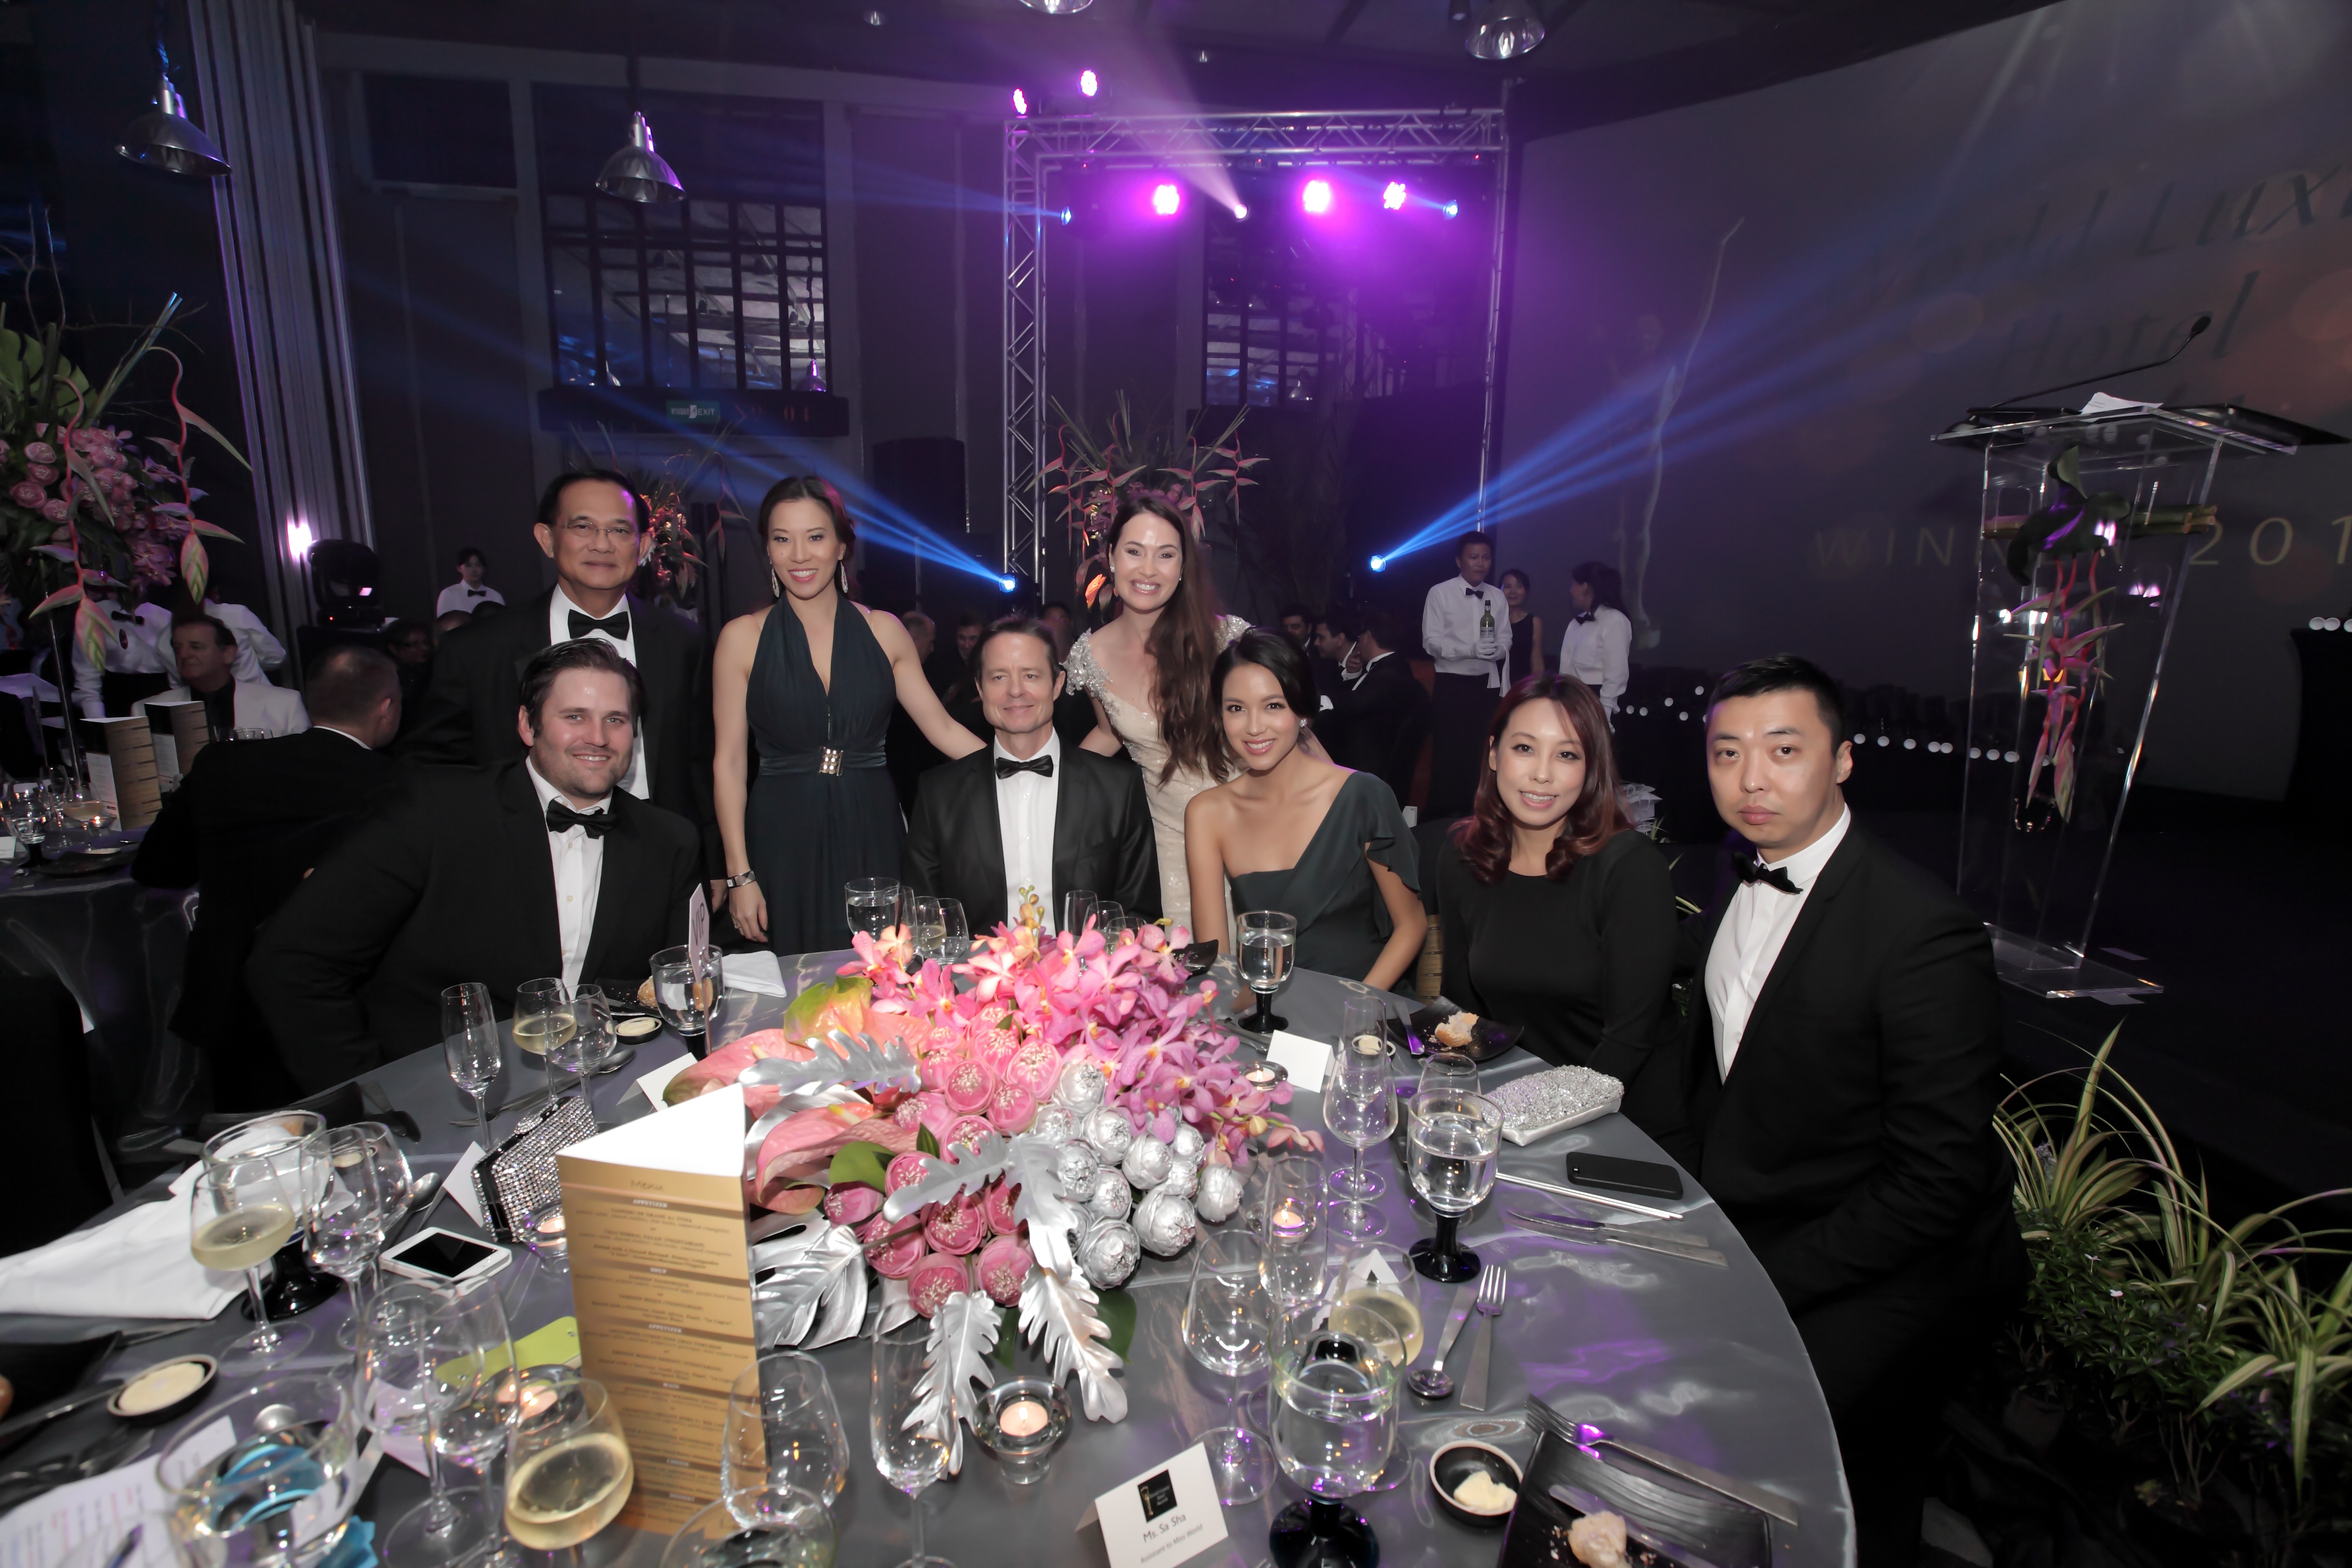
1755, 925
1449, 629
638, 781
138, 642
579, 872
1024, 816
1595, 650
257, 648
458, 596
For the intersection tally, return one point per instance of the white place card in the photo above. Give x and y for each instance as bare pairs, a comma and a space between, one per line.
1302, 1059
1371, 1269
459, 1185
1164, 1516
653, 1084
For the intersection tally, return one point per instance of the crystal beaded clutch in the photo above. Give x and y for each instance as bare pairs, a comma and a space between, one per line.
1545, 1102
520, 1176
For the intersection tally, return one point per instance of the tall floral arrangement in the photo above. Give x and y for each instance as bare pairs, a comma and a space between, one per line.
1098, 475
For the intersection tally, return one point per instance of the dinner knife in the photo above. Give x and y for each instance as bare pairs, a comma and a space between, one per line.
16, 1426
1571, 1229
1606, 1200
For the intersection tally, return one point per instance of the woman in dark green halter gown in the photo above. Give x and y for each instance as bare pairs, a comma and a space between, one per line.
802, 693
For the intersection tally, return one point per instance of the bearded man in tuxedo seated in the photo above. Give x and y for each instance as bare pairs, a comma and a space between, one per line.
1029, 817
1838, 1087
542, 867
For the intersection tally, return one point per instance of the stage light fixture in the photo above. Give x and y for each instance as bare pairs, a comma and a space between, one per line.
1379, 564
1316, 197
1392, 195
1020, 101
1241, 211
1058, 7
1089, 83
1166, 199
1008, 584
1452, 209
1504, 30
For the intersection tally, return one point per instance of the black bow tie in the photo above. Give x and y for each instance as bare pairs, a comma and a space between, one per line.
477, 593
1770, 875
124, 616
594, 823
1471, 593
1581, 619
615, 626
1042, 766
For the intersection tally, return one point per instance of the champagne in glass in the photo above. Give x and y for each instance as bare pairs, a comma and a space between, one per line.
469, 1041
542, 1018
568, 1468
1268, 938
1456, 1139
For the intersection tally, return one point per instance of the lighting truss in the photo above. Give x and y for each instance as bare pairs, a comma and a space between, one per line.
1036, 149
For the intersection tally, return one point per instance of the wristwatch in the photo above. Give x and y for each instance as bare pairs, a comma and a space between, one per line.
741, 879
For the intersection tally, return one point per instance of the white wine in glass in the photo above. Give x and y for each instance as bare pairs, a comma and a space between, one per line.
568, 1466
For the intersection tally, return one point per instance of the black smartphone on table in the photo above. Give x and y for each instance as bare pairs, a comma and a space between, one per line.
1608, 1172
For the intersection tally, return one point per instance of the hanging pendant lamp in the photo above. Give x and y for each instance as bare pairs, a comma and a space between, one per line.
639, 173
1504, 30
166, 139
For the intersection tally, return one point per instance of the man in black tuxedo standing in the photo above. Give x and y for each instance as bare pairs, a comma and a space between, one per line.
1838, 1089
538, 868
243, 828
1029, 815
589, 525
1383, 714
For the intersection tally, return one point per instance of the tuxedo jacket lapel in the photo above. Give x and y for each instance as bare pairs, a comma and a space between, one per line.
980, 820
624, 874
1809, 920
532, 867
654, 666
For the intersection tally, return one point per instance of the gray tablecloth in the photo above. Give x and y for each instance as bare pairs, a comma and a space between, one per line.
1699, 1361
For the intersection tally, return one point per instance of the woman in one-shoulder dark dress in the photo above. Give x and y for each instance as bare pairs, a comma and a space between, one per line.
1343, 922
804, 801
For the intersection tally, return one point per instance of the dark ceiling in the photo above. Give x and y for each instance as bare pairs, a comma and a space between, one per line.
1604, 60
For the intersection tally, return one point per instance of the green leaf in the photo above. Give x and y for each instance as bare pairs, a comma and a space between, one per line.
860, 1166
1117, 1310
926, 1143
1008, 1334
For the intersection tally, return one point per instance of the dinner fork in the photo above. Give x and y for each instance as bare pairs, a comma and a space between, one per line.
1492, 1288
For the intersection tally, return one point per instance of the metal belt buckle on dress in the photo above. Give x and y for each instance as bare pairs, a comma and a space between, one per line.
831, 761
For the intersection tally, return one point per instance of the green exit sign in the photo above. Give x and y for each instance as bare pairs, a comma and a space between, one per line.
686, 411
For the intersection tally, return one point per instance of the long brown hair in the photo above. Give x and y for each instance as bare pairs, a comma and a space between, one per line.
1184, 646
1597, 816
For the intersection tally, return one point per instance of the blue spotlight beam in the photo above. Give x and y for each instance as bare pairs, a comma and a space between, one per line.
883, 522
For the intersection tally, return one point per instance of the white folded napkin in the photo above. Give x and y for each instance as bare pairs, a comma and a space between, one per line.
757, 973
136, 1265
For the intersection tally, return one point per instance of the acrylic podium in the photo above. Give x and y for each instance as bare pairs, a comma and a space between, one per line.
2089, 524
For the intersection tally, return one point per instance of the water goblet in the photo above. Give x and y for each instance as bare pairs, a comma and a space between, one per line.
349, 1219
686, 993
469, 1043
874, 905
1334, 1426
1228, 1328
797, 1533
1455, 1138
909, 1460
474, 1429
1268, 938
275, 1489
590, 1041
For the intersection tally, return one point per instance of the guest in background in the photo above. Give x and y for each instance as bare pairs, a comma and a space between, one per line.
443, 624
258, 651
139, 660
206, 653
922, 631
1148, 673
1527, 627
541, 867
1030, 816
1464, 624
469, 593
805, 691
1295, 621
1383, 715
1556, 915
904, 748
245, 824
589, 524
1840, 1074
1600, 638
1058, 620
1329, 643
1295, 833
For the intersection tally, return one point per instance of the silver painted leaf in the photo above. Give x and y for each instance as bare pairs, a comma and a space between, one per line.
974, 1168
859, 1059
1057, 1315
964, 1333
815, 1288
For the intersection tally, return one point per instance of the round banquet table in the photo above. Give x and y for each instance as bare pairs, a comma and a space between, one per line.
1701, 1362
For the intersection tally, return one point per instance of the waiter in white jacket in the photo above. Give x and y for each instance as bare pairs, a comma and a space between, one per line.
138, 655
1599, 645
1465, 624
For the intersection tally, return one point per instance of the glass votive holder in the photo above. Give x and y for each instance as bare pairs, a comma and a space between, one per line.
1019, 1421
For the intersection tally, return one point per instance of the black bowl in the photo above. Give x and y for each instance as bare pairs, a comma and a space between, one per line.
1487, 1041
1199, 958
1456, 1463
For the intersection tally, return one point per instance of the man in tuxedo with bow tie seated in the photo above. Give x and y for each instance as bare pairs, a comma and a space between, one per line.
541, 867
1840, 1067
590, 525
1029, 817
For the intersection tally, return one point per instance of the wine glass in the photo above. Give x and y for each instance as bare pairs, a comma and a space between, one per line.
1334, 1426
542, 1018
568, 1466
784, 1439
264, 1476
1228, 1327
1360, 1109
909, 1460
799, 1532
396, 1190
592, 1039
686, 993
1077, 909
474, 1427
1295, 1265
254, 1194
349, 1219
1108, 916
1268, 939
422, 1355
873, 905
1455, 1138
1447, 1071
470, 1039
940, 933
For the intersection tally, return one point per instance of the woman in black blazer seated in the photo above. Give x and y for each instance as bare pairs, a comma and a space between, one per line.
1556, 915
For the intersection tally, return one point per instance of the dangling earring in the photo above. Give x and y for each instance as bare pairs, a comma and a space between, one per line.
841, 573
775, 583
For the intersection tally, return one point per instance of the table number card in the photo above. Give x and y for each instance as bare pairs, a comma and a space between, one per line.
1302, 1059
1164, 1516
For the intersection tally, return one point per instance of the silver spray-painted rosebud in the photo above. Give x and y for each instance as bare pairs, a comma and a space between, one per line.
1082, 1086
1146, 1161
1166, 1224
1109, 1199
1109, 1253
1220, 1194
1075, 1166
1188, 1144
1055, 1124
1184, 1180
1110, 1134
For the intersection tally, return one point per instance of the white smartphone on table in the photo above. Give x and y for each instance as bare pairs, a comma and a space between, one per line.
441, 1256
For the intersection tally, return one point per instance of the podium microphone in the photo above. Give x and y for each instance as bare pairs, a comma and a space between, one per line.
2194, 327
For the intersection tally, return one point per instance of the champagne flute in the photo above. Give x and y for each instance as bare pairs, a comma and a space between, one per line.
909, 1460
422, 1355
476, 1427
469, 1040
873, 903
1268, 939
245, 1206
1360, 1109
1077, 909
542, 1018
784, 1439
349, 1220
1455, 1138
568, 1466
1228, 1328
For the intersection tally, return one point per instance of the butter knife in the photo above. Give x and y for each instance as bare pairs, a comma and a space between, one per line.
1569, 1229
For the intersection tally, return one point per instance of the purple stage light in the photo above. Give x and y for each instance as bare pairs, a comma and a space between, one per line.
1166, 199
1392, 195
1241, 211
1020, 101
1088, 83
1316, 197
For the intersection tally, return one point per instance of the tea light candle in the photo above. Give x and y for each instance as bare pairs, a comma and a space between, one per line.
1023, 1418
1265, 1075
1289, 1221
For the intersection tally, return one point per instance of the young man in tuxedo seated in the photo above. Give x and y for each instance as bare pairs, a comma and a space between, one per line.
540, 867
589, 526
1383, 714
206, 652
1029, 815
1840, 1067
245, 826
